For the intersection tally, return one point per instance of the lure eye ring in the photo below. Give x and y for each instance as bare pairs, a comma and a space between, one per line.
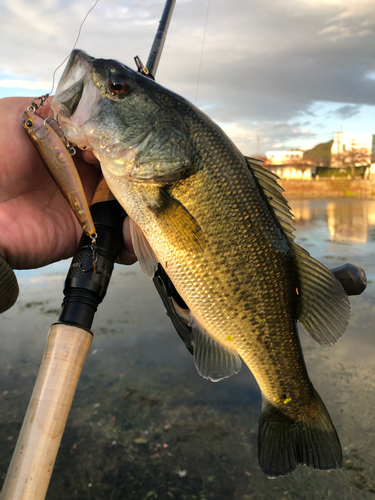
29, 123
117, 85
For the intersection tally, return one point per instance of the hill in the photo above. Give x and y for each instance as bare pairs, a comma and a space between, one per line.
320, 154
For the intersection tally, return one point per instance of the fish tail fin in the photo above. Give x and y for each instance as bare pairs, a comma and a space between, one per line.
284, 442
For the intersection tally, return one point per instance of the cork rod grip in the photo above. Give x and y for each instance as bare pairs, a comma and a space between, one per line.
39, 440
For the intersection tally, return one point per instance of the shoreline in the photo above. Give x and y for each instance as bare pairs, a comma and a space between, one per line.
328, 188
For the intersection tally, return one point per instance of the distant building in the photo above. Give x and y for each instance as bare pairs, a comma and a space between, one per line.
345, 144
293, 172
282, 157
370, 173
289, 165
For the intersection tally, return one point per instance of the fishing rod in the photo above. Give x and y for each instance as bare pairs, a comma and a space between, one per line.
70, 338
161, 34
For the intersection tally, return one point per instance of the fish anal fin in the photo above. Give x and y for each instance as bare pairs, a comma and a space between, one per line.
213, 360
284, 443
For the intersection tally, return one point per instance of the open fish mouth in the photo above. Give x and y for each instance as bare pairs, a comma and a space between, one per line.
77, 99
81, 105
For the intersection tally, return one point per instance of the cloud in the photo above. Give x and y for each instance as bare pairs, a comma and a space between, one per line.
347, 111
252, 138
265, 65
23, 84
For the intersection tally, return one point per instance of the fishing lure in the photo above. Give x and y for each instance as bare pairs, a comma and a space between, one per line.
57, 157
58, 160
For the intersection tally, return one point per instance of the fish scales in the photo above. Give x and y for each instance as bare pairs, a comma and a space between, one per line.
244, 229
219, 226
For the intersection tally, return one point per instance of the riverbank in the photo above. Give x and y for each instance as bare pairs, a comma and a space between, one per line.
327, 188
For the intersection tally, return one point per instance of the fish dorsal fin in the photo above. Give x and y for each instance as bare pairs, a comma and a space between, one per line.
324, 307
143, 250
212, 360
274, 195
254, 161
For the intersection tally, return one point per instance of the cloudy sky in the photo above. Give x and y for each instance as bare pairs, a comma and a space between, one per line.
290, 73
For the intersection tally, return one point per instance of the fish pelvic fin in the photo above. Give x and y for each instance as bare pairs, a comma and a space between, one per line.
324, 307
213, 360
143, 250
284, 442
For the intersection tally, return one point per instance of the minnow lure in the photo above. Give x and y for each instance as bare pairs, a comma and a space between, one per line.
60, 165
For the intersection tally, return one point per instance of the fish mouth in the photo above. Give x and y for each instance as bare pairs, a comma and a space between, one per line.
77, 99
80, 106
69, 99
119, 149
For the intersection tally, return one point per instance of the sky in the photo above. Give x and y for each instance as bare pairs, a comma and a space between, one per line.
273, 74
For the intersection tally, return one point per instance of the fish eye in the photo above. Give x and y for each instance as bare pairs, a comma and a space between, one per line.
29, 123
117, 85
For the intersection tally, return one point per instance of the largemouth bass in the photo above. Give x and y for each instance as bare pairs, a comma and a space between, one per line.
218, 224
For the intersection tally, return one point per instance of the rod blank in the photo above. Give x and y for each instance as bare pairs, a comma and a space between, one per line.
161, 34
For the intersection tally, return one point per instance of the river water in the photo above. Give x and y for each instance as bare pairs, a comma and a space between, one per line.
145, 425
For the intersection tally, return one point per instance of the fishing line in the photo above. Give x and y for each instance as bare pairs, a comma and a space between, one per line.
74, 46
200, 64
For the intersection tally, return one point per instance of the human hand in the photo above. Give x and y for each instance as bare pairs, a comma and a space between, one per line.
37, 225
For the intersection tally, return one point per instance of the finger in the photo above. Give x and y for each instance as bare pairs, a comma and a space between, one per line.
126, 255
128, 244
126, 258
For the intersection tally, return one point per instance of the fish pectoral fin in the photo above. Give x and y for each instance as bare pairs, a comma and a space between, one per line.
324, 307
285, 442
180, 227
143, 250
213, 360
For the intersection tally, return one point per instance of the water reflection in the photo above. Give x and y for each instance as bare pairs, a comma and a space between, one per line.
347, 220
145, 425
